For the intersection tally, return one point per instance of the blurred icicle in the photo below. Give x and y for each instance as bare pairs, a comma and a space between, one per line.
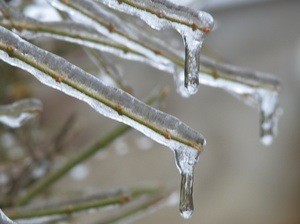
256, 89
4, 219
114, 103
18, 113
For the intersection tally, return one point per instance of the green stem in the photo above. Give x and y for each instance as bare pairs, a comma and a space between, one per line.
77, 207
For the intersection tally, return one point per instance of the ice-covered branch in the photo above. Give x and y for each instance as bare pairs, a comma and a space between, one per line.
4, 219
111, 102
71, 32
18, 113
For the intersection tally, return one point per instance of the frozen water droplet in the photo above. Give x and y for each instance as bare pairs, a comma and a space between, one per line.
80, 172
270, 111
186, 159
267, 139
179, 83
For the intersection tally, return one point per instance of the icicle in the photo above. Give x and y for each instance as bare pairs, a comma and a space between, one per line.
159, 14
16, 114
192, 63
4, 219
178, 76
256, 89
186, 160
270, 111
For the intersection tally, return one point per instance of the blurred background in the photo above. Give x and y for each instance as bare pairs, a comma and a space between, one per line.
238, 180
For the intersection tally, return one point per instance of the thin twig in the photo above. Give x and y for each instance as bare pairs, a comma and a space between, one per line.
81, 204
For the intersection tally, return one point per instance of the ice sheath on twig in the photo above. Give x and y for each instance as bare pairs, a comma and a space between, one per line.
18, 113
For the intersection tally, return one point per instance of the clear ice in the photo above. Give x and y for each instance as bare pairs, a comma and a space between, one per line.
111, 102
186, 161
270, 112
18, 113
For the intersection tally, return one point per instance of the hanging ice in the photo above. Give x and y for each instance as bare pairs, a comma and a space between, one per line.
186, 161
257, 89
16, 114
179, 79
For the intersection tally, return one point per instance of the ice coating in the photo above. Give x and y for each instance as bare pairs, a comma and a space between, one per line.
93, 15
108, 72
18, 113
192, 25
4, 219
71, 32
111, 102
186, 161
